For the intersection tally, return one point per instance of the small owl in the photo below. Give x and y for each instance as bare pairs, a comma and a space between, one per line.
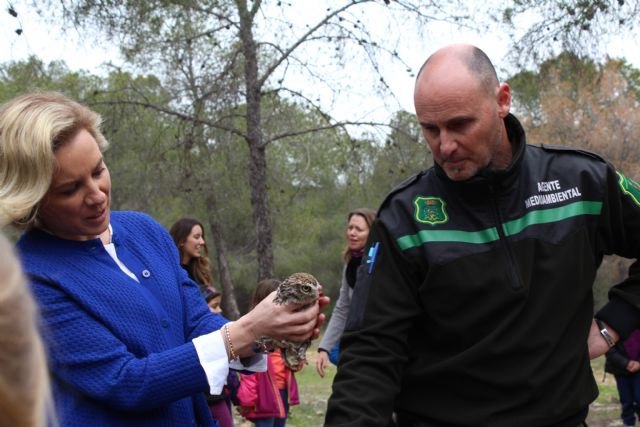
299, 288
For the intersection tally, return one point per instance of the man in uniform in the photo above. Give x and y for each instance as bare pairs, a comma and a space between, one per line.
474, 307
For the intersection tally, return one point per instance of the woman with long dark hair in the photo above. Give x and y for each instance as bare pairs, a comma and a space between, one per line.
188, 235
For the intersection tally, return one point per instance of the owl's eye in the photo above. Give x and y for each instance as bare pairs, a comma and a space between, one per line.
306, 289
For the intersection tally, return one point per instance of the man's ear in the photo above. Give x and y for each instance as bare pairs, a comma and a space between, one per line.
503, 97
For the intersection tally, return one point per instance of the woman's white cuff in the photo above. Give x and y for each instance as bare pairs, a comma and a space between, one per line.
215, 361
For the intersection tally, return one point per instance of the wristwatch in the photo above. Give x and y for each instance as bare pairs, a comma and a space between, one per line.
605, 333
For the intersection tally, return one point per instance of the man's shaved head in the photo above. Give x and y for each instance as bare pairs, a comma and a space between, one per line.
471, 57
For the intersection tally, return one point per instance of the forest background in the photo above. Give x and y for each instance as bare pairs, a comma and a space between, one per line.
243, 114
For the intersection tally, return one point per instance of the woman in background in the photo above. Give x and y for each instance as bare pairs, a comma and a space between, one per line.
188, 235
358, 224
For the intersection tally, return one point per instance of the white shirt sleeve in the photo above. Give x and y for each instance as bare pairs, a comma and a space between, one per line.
215, 361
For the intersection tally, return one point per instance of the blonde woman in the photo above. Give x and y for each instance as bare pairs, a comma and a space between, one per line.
25, 398
130, 338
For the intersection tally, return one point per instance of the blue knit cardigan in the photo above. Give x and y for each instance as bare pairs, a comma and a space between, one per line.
120, 351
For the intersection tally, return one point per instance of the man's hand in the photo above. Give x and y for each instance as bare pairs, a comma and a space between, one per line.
633, 366
596, 342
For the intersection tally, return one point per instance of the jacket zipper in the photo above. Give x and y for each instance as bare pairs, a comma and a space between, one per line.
512, 266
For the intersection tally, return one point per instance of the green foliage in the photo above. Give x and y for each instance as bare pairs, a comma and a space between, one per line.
561, 75
526, 89
632, 76
404, 153
140, 157
34, 75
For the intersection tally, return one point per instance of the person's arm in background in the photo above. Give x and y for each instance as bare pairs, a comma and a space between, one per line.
335, 328
619, 234
617, 358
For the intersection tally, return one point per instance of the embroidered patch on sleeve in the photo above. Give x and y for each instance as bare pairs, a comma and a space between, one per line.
430, 210
629, 187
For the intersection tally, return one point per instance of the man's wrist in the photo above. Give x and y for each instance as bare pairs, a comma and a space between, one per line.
322, 349
605, 333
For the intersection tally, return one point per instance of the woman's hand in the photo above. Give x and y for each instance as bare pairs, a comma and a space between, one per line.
322, 362
323, 301
290, 322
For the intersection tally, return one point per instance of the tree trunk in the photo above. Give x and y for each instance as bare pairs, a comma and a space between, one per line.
261, 212
254, 138
229, 303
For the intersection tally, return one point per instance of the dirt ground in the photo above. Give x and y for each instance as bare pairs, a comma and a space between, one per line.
604, 415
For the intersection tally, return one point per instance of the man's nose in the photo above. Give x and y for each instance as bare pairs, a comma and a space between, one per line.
448, 144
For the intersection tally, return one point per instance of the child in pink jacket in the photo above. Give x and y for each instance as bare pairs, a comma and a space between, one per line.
265, 397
